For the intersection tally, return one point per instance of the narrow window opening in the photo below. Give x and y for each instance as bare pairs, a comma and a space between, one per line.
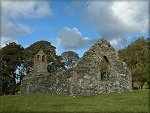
43, 58
38, 57
104, 69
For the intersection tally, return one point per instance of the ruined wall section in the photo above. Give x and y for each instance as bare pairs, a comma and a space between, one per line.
40, 80
56, 83
88, 71
85, 77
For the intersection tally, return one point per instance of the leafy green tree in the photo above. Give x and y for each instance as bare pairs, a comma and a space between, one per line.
136, 55
70, 58
10, 59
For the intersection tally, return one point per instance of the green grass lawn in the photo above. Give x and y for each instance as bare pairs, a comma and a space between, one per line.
136, 101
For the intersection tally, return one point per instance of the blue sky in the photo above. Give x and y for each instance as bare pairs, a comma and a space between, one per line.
73, 25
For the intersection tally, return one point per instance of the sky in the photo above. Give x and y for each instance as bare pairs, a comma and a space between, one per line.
73, 24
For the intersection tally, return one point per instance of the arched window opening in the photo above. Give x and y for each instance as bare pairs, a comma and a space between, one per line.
104, 69
43, 58
38, 57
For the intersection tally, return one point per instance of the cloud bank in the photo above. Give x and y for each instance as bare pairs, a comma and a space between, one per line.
11, 29
116, 20
120, 22
71, 38
14, 10
27, 9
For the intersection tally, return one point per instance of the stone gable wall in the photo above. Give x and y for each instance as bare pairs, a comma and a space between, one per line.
87, 69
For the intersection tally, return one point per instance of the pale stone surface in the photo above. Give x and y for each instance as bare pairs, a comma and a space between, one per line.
40, 62
86, 78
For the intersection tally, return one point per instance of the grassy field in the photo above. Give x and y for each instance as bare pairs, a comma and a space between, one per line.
136, 101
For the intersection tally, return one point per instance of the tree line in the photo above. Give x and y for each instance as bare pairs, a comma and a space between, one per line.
136, 56
16, 62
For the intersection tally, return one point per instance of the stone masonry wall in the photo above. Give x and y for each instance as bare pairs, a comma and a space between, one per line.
84, 78
87, 71
56, 83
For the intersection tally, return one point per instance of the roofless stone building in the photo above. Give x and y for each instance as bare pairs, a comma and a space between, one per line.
98, 71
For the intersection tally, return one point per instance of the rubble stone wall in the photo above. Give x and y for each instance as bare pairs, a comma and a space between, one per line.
85, 78
47, 83
88, 71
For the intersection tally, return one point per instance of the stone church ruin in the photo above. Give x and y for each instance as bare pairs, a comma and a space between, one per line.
98, 71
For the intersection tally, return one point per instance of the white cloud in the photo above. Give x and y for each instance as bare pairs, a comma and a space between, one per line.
6, 40
118, 43
10, 29
134, 15
71, 38
11, 11
117, 19
28, 9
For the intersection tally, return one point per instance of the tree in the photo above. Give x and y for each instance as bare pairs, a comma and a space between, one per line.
70, 58
10, 59
136, 55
